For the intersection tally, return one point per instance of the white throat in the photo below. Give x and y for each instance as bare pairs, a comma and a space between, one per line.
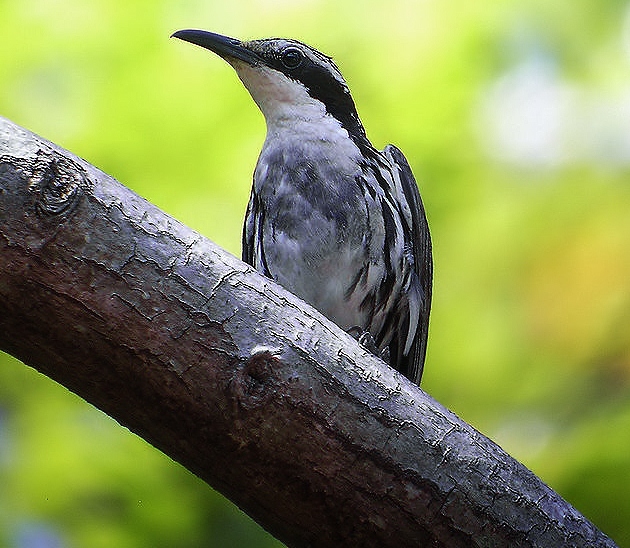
295, 120
280, 99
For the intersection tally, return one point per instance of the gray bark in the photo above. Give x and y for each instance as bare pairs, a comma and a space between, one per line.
240, 381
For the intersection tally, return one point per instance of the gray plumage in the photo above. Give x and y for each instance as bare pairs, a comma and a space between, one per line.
332, 219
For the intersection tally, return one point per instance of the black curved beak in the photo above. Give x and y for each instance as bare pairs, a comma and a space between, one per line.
221, 45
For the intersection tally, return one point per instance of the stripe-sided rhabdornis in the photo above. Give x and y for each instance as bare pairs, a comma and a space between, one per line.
334, 220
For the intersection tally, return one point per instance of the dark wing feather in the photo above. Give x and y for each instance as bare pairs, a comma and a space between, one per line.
253, 252
420, 287
247, 252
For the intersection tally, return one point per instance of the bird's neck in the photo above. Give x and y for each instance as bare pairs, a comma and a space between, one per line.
305, 126
288, 106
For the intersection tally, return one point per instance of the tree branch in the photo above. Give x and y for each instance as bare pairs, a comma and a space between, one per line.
240, 381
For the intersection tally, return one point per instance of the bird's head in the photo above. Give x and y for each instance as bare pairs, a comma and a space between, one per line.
286, 78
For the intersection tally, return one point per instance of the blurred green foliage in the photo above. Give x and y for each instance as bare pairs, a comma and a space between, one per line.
515, 116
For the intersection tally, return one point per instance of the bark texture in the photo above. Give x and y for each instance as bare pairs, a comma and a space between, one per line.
240, 381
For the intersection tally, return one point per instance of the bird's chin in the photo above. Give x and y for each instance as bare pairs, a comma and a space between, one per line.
278, 97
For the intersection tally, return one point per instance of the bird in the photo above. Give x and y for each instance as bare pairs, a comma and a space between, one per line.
330, 218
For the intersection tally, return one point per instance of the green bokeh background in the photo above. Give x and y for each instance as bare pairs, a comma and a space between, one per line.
515, 116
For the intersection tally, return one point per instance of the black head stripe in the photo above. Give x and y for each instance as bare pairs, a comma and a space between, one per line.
317, 72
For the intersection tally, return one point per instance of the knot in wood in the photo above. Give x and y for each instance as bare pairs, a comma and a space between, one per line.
58, 185
260, 364
255, 382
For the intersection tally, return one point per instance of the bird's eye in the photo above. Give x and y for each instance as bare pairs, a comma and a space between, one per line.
292, 57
